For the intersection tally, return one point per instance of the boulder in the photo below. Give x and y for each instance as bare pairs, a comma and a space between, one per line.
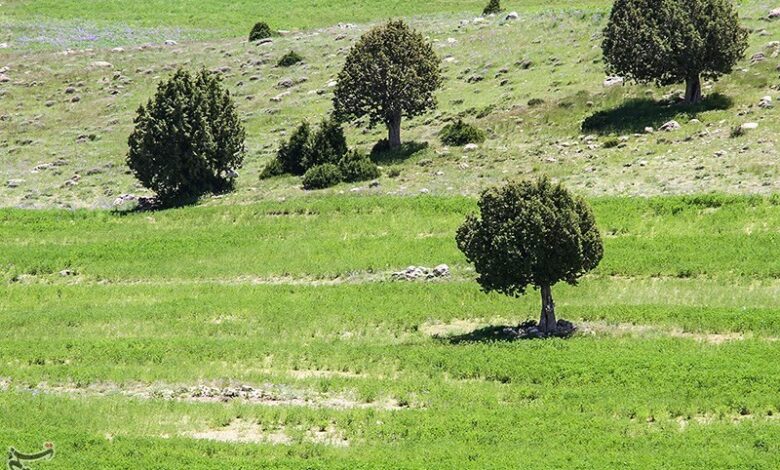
470, 147
613, 81
512, 16
774, 13
101, 64
765, 102
670, 126
749, 126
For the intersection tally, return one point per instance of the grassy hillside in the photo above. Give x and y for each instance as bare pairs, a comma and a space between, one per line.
226, 18
674, 367
67, 153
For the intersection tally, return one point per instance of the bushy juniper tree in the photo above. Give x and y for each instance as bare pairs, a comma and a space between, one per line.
391, 73
673, 41
188, 140
531, 233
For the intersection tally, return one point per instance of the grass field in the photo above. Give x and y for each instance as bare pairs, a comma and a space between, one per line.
675, 366
263, 328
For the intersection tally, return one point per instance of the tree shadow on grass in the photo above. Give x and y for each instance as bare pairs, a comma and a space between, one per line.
488, 334
636, 114
382, 154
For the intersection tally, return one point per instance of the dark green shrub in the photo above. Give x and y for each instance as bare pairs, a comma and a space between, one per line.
356, 166
293, 155
493, 7
328, 145
291, 58
322, 176
535, 102
531, 234
460, 133
260, 31
274, 168
610, 143
188, 140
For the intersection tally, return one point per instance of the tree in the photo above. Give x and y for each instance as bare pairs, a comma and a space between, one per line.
260, 30
673, 41
493, 7
391, 73
188, 140
531, 233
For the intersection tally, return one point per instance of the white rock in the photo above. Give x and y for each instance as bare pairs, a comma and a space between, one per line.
14, 183
765, 102
670, 126
170, 42
470, 147
4, 45
118, 49
4, 78
451, 40
101, 64
613, 81
512, 16
649, 130
749, 126
775, 13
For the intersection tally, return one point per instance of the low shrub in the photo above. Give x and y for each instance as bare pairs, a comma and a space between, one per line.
274, 168
493, 7
460, 133
261, 30
356, 166
322, 176
327, 145
289, 59
293, 155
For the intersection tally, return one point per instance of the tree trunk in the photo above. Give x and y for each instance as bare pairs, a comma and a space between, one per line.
394, 131
693, 89
547, 322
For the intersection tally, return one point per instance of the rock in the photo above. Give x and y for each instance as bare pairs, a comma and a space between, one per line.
170, 42
332, 84
70, 90
512, 16
4, 45
749, 126
264, 41
757, 57
14, 183
649, 130
4, 78
475, 79
424, 190
774, 14
451, 40
285, 83
67, 272
470, 147
765, 102
670, 126
124, 199
101, 64
613, 81
118, 49
278, 98
75, 99
373, 184
441, 270
525, 64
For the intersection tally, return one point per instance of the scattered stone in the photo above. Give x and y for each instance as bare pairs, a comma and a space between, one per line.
512, 16
749, 126
285, 83
613, 81
170, 42
649, 130
101, 64
67, 272
14, 183
118, 49
70, 90
75, 99
470, 147
774, 14
670, 126
413, 273
757, 57
765, 102
264, 41
4, 78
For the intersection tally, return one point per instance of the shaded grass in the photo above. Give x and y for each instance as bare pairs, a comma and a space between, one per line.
636, 114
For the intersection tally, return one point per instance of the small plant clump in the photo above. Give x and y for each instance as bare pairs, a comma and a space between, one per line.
188, 139
493, 7
461, 133
356, 166
314, 154
261, 30
289, 59
322, 176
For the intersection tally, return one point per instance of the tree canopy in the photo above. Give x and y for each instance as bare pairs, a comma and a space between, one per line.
531, 233
673, 41
390, 74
